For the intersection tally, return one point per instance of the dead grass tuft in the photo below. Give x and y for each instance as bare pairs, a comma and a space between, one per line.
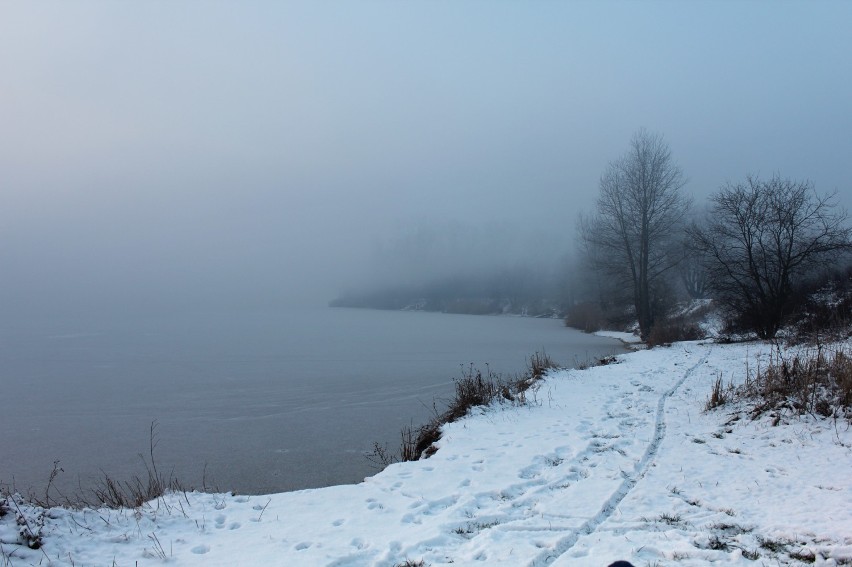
816, 382
473, 389
113, 493
720, 395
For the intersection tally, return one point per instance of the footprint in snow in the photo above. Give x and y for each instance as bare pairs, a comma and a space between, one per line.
440, 504
200, 549
529, 473
511, 492
359, 543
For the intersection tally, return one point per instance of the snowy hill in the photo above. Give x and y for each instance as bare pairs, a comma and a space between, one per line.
613, 462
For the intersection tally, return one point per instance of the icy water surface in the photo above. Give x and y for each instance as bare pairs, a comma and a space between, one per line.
244, 401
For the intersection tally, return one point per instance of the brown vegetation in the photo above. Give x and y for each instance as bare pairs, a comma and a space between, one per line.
473, 389
674, 329
816, 382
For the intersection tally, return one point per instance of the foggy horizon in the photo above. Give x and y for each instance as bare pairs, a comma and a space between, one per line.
160, 155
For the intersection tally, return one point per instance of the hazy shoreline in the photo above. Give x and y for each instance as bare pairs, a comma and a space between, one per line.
242, 391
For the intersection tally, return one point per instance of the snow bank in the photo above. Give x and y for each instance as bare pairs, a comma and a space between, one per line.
629, 339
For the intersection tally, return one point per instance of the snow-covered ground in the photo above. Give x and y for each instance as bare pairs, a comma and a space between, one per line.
631, 339
613, 462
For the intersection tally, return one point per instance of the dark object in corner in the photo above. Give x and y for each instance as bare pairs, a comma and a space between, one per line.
621, 564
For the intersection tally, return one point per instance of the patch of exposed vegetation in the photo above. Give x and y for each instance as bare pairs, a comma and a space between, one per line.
674, 329
109, 492
473, 389
719, 396
817, 382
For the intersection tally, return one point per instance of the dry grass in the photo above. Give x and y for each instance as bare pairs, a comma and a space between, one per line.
816, 381
720, 395
110, 492
135, 492
474, 389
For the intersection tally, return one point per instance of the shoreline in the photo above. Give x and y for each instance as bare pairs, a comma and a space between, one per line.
222, 404
607, 457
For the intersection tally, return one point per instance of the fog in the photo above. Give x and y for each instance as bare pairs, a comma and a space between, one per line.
163, 155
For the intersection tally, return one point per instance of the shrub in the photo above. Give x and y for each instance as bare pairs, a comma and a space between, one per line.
587, 316
539, 364
668, 331
826, 311
473, 389
816, 382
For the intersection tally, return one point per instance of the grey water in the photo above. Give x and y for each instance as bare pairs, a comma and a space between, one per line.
247, 401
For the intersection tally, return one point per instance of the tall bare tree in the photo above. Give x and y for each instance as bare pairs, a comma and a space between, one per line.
694, 278
761, 239
633, 234
692, 270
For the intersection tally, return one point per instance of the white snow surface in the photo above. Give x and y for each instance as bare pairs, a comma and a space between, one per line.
613, 462
627, 338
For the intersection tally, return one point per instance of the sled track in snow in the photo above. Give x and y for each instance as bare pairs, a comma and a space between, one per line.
630, 480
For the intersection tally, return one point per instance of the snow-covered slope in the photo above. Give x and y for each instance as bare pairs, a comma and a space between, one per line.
613, 462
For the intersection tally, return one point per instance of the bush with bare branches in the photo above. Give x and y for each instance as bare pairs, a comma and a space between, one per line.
760, 241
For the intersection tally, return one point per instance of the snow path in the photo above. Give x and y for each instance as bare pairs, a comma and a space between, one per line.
630, 480
614, 462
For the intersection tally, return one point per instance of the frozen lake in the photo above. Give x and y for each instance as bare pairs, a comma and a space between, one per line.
260, 402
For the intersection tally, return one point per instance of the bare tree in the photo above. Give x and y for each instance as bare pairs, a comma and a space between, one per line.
761, 239
693, 276
692, 271
634, 232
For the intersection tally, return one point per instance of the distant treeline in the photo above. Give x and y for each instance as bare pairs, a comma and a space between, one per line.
520, 291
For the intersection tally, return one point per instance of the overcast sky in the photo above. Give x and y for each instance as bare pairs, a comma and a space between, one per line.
151, 152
